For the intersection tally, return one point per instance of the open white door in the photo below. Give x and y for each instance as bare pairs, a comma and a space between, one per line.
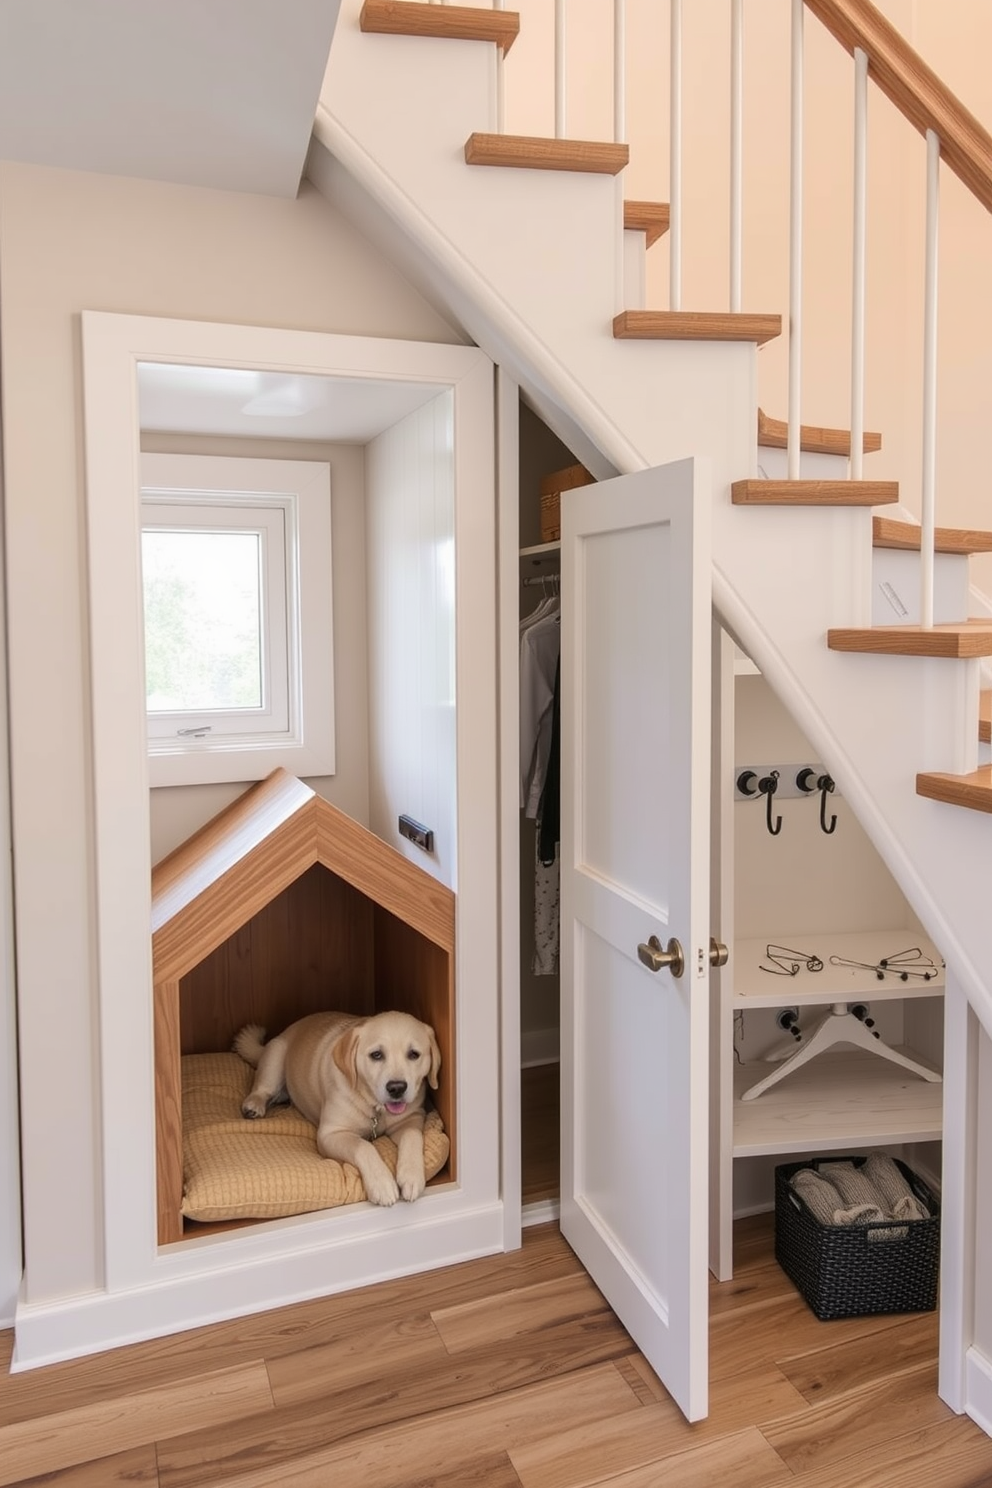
635, 700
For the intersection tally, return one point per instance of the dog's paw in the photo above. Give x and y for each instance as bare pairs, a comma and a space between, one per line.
253, 1106
381, 1188
411, 1182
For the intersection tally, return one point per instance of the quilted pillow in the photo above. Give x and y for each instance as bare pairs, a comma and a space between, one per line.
238, 1169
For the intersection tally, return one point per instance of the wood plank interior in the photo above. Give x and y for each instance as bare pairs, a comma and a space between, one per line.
309, 950
509, 1371
413, 974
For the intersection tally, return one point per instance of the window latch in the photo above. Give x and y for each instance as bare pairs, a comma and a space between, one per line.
195, 733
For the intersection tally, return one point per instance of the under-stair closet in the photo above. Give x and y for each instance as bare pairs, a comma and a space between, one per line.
824, 947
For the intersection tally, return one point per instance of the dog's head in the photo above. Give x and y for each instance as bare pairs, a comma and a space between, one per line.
391, 1054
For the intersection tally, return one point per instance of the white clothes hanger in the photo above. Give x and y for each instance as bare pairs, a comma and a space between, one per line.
839, 1026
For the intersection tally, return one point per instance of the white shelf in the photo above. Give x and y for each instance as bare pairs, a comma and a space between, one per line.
541, 550
754, 988
850, 1100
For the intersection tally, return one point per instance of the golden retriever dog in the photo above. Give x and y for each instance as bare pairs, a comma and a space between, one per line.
356, 1079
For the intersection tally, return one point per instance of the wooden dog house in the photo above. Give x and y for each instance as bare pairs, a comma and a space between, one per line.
278, 907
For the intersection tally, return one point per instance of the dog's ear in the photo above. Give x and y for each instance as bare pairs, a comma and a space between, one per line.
435, 1060
344, 1052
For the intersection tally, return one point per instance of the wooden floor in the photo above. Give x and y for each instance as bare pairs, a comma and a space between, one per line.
539, 1124
506, 1372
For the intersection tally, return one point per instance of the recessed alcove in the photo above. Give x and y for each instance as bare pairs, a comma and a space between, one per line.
278, 907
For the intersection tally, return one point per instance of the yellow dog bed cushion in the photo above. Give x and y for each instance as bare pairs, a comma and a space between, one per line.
238, 1169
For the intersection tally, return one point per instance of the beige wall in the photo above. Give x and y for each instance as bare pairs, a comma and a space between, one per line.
67, 242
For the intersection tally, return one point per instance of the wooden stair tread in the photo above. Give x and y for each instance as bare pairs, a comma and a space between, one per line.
888, 533
695, 325
973, 790
815, 440
813, 492
535, 152
968, 639
649, 217
985, 717
456, 22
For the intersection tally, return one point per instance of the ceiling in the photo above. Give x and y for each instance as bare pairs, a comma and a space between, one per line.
239, 402
216, 93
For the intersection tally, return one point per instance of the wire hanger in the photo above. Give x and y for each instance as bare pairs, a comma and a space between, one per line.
785, 965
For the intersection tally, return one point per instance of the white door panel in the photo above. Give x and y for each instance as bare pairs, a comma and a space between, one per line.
634, 861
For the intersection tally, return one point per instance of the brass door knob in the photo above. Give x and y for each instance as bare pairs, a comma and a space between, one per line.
719, 955
656, 959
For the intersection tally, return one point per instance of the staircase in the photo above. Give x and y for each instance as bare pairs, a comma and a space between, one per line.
525, 255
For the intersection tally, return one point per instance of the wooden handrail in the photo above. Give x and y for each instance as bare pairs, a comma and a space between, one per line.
914, 88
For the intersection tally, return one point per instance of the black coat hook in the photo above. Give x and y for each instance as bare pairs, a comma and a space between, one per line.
808, 781
768, 785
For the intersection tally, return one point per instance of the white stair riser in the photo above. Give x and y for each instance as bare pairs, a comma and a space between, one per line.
896, 587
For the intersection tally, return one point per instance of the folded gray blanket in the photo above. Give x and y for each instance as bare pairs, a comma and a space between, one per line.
838, 1193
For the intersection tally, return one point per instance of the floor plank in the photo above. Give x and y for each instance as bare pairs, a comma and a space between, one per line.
950, 1454
127, 1469
843, 1427
540, 1120
380, 1398
415, 1449
31, 1447
744, 1459
285, 1330
855, 1363
474, 1325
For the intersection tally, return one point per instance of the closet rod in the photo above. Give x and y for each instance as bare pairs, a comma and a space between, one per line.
540, 579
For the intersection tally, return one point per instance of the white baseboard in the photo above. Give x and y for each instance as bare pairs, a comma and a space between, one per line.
542, 1211
978, 1388
48, 1332
539, 1046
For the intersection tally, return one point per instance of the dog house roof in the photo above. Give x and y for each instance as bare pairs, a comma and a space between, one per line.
205, 890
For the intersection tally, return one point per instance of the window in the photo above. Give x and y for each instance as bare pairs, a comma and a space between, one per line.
236, 579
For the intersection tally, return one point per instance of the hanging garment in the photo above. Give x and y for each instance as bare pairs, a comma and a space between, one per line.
544, 961
540, 643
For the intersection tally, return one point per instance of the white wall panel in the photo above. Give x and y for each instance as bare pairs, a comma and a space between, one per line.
410, 515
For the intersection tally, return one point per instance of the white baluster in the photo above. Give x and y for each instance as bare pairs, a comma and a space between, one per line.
559, 69
858, 274
796, 244
675, 165
619, 71
500, 79
736, 150
929, 484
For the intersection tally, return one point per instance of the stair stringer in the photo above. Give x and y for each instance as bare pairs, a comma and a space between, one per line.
528, 263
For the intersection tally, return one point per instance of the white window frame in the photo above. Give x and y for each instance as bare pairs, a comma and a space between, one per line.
295, 727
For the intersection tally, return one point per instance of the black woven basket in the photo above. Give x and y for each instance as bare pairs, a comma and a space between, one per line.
841, 1270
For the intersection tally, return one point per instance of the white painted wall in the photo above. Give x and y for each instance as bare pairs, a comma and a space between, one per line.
802, 880
10, 1178
177, 811
67, 242
410, 524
